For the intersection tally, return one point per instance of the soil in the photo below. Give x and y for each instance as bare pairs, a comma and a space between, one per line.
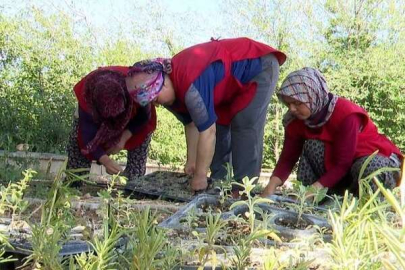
307, 210
161, 183
217, 208
293, 222
87, 214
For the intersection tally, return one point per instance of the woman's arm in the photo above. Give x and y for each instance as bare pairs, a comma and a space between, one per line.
87, 131
192, 136
205, 152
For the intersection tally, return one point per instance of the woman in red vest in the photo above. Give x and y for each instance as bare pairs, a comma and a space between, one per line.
220, 91
108, 121
330, 136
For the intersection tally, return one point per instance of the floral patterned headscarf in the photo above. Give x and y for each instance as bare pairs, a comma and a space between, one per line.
154, 70
308, 86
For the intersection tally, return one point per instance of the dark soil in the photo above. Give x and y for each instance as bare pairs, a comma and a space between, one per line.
166, 184
292, 222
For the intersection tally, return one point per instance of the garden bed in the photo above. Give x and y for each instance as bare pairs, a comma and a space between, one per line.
193, 216
166, 185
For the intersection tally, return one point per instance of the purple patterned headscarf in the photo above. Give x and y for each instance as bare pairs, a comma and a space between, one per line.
308, 86
154, 70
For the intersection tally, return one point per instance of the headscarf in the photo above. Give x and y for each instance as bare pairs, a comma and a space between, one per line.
308, 86
154, 70
110, 105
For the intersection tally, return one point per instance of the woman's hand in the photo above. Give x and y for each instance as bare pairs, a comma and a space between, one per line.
310, 195
274, 182
199, 182
317, 185
189, 168
110, 165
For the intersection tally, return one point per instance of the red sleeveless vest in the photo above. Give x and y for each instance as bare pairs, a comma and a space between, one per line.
230, 96
369, 140
136, 139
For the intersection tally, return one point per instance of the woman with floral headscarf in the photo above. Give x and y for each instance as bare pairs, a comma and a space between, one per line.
220, 91
330, 136
108, 121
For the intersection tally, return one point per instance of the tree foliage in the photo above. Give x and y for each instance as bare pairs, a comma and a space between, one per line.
358, 44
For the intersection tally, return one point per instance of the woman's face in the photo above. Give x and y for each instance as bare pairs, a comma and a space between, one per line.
166, 96
297, 108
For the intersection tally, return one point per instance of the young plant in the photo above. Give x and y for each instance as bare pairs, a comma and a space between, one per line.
12, 196
147, 242
251, 202
362, 234
225, 185
303, 194
105, 255
3, 244
243, 248
56, 220
392, 237
214, 225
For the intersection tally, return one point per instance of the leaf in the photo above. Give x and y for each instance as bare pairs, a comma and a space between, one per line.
237, 203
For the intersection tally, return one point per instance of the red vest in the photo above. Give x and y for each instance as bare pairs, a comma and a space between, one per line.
369, 140
136, 139
230, 96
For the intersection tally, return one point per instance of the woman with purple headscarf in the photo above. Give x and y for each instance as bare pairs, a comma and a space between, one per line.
108, 121
330, 136
220, 90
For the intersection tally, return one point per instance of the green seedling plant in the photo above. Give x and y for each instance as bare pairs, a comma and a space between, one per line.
226, 184
191, 218
266, 226
107, 194
104, 254
12, 196
303, 194
362, 232
251, 202
271, 261
4, 243
243, 248
214, 225
393, 238
56, 221
147, 243
172, 256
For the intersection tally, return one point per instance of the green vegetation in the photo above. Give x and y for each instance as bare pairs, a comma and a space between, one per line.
367, 232
358, 45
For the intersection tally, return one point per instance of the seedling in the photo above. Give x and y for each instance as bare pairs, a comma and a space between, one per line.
214, 226
243, 248
251, 202
56, 220
146, 242
12, 196
303, 194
